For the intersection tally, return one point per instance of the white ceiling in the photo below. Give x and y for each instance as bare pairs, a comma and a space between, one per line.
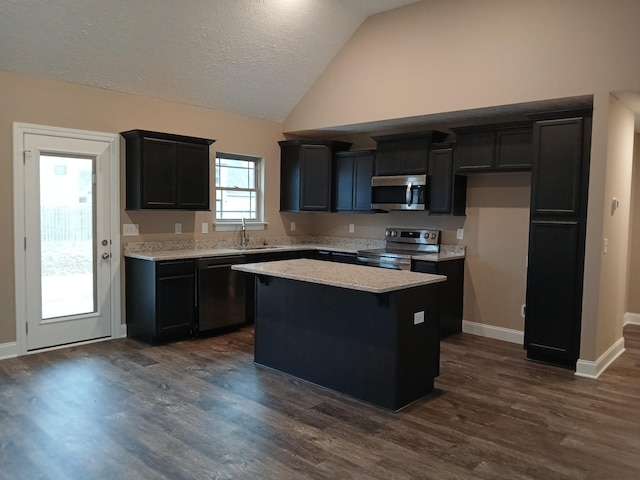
252, 57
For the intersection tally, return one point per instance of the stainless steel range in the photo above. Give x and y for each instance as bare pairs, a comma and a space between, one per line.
402, 244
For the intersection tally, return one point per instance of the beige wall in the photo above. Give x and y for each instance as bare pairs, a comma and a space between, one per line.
633, 282
613, 286
448, 55
33, 100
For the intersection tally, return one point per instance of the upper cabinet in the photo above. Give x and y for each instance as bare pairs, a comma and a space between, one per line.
447, 191
494, 148
306, 177
352, 181
166, 171
405, 153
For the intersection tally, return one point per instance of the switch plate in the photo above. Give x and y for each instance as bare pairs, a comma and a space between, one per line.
460, 233
605, 245
205, 227
351, 228
418, 318
293, 226
130, 229
178, 228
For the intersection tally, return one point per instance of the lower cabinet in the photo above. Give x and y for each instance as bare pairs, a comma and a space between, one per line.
160, 299
451, 291
331, 256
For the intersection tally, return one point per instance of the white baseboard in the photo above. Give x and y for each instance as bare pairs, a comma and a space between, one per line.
8, 350
632, 318
588, 369
490, 331
123, 331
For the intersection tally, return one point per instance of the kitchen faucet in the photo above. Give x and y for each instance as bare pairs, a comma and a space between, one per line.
244, 241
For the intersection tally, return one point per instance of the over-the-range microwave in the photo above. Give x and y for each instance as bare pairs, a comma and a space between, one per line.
399, 192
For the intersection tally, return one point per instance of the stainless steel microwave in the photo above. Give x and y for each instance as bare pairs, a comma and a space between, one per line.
399, 192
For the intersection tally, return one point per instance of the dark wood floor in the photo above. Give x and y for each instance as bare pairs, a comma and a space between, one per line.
202, 410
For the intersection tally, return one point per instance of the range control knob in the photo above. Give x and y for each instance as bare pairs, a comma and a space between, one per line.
433, 236
394, 233
387, 233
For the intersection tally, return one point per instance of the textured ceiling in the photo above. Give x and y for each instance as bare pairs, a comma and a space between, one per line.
251, 57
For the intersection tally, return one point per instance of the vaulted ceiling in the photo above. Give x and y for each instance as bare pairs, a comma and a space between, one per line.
251, 57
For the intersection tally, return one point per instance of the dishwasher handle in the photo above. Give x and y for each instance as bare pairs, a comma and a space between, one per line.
207, 263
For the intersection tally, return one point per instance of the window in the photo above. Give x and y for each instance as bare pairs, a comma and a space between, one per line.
238, 192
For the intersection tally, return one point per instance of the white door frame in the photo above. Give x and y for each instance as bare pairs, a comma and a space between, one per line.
19, 131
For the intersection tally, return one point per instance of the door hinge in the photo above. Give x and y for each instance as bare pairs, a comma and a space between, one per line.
27, 153
25, 243
27, 327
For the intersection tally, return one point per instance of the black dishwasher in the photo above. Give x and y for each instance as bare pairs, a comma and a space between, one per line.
221, 293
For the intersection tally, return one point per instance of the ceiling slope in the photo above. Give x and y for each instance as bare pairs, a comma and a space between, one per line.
252, 57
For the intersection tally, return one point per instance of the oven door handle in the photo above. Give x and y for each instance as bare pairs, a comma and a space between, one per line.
368, 260
408, 194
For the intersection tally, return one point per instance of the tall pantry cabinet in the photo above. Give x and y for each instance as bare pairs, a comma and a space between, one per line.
557, 231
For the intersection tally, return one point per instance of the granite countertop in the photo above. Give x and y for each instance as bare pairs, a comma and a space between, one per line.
354, 277
448, 252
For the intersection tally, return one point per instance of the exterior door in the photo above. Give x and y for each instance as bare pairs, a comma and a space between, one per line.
67, 239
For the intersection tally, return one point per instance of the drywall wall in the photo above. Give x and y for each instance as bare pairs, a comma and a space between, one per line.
633, 277
451, 55
34, 100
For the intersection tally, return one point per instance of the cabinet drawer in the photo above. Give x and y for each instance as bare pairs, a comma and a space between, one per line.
179, 267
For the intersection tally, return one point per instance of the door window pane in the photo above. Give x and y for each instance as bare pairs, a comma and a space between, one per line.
67, 236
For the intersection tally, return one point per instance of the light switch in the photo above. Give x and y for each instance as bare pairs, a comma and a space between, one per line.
460, 233
605, 245
205, 227
351, 228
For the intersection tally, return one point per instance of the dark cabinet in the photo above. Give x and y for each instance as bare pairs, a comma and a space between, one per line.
306, 174
494, 148
160, 299
332, 256
166, 171
557, 240
451, 291
404, 154
447, 191
353, 171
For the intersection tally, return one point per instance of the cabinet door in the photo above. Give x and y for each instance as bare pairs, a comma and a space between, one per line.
415, 155
363, 171
557, 172
475, 151
514, 149
175, 297
344, 185
554, 297
193, 176
389, 157
316, 178
159, 170
441, 180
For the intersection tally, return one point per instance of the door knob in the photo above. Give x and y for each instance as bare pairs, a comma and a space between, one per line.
106, 256
105, 242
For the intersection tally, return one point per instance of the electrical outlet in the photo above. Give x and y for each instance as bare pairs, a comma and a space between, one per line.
351, 228
293, 226
460, 233
205, 227
605, 245
130, 229
418, 317
178, 228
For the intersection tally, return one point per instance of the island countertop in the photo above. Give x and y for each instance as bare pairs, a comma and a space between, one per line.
354, 277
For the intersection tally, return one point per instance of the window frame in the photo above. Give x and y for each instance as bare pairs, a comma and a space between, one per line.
230, 224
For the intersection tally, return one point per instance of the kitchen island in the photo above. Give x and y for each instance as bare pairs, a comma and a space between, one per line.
366, 332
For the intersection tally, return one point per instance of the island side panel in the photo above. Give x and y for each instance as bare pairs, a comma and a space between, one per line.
347, 340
